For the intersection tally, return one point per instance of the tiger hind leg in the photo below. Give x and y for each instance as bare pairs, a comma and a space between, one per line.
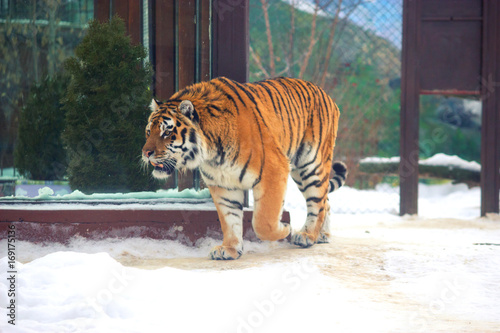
325, 233
313, 182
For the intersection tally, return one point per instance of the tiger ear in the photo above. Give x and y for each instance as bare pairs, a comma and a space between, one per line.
187, 109
154, 105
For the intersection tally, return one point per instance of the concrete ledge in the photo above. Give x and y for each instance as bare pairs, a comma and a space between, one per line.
186, 225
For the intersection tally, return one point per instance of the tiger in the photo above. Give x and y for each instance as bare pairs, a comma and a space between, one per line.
251, 136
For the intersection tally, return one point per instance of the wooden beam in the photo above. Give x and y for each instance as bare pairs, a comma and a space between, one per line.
230, 39
205, 47
187, 66
186, 226
164, 44
409, 147
102, 10
490, 128
134, 21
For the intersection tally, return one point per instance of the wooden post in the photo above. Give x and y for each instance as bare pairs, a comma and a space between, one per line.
187, 55
163, 48
490, 128
130, 11
409, 149
102, 10
230, 39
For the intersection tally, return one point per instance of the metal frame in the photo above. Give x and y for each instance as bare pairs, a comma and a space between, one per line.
486, 79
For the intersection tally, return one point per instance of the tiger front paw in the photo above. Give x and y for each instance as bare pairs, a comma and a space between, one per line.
222, 252
303, 239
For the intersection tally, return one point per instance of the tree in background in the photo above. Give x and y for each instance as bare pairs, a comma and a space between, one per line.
107, 109
39, 152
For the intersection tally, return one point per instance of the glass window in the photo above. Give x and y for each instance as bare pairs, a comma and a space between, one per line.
36, 37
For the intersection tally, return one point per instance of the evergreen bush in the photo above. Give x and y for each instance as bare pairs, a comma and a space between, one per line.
39, 153
107, 109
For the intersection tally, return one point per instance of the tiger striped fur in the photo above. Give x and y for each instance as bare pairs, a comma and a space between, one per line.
251, 136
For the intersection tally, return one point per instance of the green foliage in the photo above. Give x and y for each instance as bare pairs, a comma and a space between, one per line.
107, 109
39, 153
369, 123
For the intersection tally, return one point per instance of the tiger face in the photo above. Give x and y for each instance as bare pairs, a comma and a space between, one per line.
172, 138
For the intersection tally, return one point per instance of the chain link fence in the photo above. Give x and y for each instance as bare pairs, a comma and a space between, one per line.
352, 49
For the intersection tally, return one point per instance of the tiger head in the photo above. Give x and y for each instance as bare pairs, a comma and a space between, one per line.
172, 138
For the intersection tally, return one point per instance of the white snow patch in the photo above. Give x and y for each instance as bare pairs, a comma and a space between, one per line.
46, 193
375, 159
438, 160
451, 161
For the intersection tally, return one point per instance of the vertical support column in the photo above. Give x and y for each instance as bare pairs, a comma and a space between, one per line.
187, 56
129, 10
102, 10
231, 39
205, 47
490, 90
164, 46
164, 54
205, 55
134, 21
409, 148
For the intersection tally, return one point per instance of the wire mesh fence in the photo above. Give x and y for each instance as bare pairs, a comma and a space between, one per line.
352, 49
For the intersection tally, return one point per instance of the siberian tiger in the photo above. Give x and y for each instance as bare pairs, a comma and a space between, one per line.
251, 136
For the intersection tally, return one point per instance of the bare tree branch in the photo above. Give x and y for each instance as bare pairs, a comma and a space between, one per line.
291, 37
330, 44
256, 58
272, 66
348, 10
312, 41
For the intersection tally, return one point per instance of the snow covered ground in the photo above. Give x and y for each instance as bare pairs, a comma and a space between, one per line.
439, 272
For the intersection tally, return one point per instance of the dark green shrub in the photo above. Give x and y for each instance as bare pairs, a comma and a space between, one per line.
107, 109
39, 153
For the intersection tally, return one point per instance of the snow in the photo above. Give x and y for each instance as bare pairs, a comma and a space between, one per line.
451, 161
375, 159
47, 193
437, 160
382, 273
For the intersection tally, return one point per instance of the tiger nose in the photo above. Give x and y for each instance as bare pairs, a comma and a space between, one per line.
148, 153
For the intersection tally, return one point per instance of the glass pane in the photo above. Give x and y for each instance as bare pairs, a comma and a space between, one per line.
37, 36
